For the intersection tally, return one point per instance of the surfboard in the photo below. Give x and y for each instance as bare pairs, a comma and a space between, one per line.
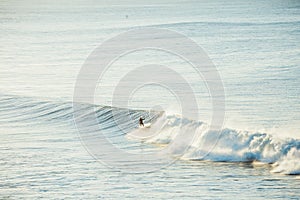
147, 125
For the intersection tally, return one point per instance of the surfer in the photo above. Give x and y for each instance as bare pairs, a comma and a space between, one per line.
141, 121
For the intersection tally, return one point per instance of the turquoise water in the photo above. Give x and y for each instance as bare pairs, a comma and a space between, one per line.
254, 46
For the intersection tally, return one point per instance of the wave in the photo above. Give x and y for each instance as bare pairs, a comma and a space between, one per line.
171, 131
228, 145
226, 23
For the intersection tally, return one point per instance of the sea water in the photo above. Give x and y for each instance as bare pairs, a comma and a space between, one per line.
255, 48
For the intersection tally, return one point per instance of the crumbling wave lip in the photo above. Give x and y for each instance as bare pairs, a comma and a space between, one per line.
231, 146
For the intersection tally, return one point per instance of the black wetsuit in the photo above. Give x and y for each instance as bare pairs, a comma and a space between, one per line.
141, 121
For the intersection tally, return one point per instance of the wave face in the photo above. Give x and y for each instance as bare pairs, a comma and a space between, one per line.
228, 146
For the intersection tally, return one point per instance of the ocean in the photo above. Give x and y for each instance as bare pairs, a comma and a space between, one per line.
216, 81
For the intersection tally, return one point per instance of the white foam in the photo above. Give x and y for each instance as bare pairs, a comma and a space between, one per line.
229, 145
289, 164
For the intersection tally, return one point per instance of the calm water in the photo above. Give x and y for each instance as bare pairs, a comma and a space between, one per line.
255, 48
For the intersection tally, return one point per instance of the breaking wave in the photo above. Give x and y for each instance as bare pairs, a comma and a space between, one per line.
229, 145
